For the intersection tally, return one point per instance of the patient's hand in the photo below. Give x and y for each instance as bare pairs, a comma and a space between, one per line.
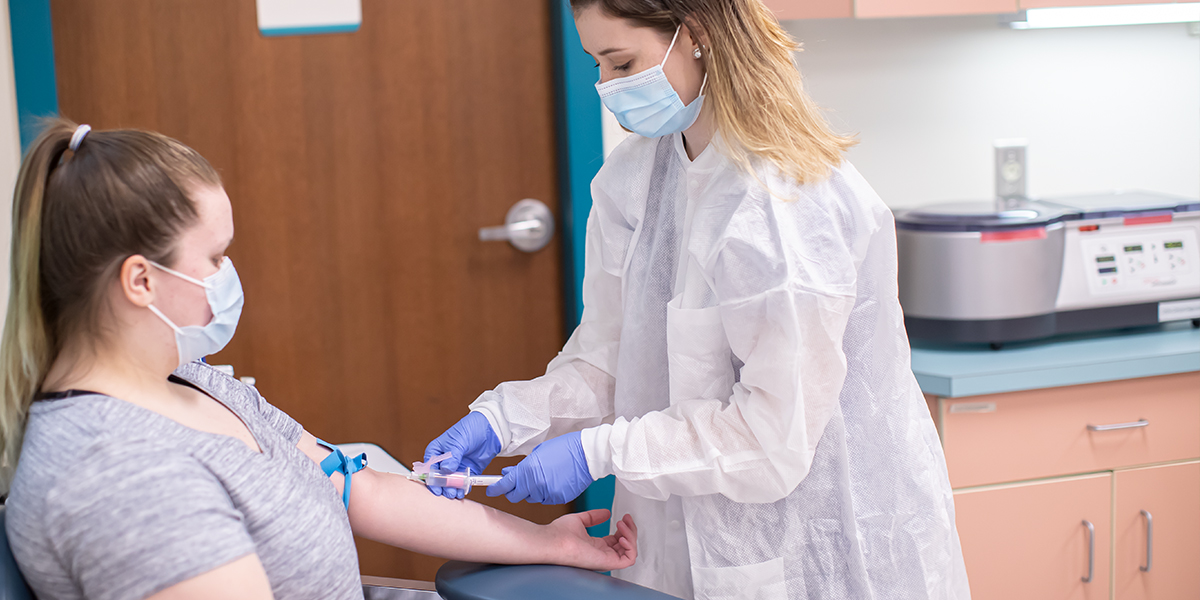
578, 549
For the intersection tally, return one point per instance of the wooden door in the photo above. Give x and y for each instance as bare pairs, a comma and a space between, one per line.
360, 167
1171, 496
1029, 541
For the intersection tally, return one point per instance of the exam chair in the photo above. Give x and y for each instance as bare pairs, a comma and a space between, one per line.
12, 584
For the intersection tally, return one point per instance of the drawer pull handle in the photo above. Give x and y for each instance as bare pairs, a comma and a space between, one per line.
1091, 551
1149, 540
1116, 426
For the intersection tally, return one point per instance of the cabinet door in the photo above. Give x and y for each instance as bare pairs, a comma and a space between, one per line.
929, 8
810, 9
1029, 541
1171, 496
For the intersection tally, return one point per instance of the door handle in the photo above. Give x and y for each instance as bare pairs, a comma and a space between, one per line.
1115, 426
1091, 550
528, 226
1149, 540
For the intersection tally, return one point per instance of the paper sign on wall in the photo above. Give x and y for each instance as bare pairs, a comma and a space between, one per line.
304, 17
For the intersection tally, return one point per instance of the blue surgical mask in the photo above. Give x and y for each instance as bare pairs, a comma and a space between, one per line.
647, 105
224, 292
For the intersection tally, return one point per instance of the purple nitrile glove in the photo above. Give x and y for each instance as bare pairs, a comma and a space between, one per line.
556, 472
473, 444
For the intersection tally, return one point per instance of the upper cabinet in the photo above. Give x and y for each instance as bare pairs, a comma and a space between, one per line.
827, 9
811, 9
1057, 3
931, 8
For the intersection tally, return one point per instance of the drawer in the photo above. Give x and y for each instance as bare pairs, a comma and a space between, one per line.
1044, 433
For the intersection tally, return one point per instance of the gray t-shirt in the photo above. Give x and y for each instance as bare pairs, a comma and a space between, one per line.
112, 501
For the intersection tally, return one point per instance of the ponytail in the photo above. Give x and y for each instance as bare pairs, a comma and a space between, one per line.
25, 351
76, 218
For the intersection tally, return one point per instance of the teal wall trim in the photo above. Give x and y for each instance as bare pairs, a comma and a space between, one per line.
33, 64
580, 148
580, 154
285, 31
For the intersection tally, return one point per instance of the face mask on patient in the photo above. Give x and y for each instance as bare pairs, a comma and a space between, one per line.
224, 292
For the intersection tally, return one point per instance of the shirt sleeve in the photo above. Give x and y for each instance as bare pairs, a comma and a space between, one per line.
126, 526
289, 428
577, 389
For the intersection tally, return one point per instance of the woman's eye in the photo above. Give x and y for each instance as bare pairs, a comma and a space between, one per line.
624, 67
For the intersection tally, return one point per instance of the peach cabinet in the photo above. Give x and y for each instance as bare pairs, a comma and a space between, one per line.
1157, 517
1057, 3
930, 8
811, 9
1029, 467
1060, 431
824, 9
1041, 540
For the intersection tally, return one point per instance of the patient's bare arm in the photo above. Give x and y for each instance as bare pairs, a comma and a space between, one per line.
391, 509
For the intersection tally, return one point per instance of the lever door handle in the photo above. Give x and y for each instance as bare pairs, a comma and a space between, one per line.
528, 226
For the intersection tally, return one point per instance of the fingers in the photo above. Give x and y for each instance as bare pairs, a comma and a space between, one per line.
450, 465
627, 538
505, 485
433, 449
628, 521
594, 517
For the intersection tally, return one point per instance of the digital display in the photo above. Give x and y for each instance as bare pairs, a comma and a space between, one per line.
1108, 270
1102, 259
1137, 248
1173, 245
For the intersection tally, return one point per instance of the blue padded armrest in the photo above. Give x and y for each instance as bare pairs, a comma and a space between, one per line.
12, 584
473, 581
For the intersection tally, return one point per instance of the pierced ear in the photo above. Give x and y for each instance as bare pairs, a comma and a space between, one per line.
696, 35
135, 280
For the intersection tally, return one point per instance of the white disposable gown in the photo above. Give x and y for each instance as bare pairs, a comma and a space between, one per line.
742, 368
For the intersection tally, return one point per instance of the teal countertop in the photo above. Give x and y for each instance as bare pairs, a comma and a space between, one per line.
973, 370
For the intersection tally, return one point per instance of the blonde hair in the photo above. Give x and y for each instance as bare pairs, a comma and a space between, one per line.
755, 90
76, 217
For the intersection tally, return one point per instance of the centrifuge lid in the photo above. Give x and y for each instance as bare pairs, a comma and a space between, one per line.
1120, 204
979, 216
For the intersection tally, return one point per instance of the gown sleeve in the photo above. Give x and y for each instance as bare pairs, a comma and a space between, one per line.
785, 291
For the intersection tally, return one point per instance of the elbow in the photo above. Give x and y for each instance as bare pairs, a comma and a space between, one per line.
775, 479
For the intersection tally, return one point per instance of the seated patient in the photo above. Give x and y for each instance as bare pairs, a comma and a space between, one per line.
146, 473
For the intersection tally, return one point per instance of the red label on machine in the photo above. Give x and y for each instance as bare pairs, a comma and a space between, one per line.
1037, 233
1149, 219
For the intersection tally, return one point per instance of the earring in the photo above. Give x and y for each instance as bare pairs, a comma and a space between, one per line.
696, 53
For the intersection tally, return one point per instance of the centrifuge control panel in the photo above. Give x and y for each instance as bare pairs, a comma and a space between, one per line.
1142, 261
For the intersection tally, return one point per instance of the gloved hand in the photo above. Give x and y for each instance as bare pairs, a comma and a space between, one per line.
473, 444
556, 472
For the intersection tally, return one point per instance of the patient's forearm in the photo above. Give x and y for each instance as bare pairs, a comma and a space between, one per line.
391, 509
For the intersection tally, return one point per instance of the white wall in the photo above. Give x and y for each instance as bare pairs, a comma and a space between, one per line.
10, 149
1103, 108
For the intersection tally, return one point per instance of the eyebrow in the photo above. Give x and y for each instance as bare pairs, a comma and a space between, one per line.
608, 51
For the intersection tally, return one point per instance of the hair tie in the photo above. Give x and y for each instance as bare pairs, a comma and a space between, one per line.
77, 139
